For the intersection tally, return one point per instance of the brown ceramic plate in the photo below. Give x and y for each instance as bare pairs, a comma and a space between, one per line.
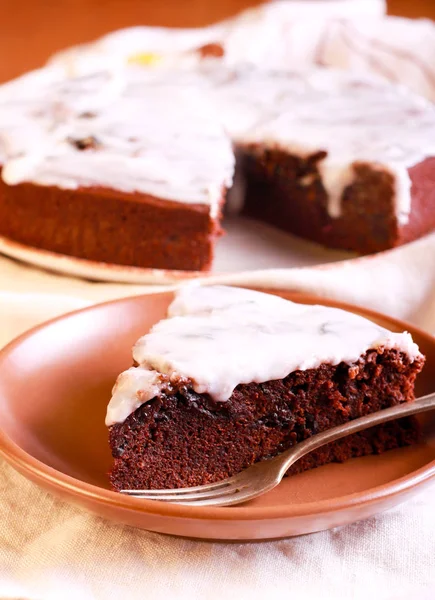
55, 383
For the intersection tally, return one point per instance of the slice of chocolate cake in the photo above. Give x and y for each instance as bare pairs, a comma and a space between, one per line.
234, 376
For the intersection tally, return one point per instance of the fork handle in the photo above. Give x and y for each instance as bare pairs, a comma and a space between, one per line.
289, 457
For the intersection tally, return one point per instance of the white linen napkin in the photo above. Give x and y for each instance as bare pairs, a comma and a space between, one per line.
51, 550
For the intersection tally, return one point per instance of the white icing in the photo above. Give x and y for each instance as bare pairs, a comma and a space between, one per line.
219, 337
335, 178
152, 136
246, 37
280, 35
128, 391
398, 49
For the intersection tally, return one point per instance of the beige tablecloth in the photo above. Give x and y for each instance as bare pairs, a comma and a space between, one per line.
50, 550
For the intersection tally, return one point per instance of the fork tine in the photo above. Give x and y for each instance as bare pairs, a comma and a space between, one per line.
235, 495
179, 491
191, 497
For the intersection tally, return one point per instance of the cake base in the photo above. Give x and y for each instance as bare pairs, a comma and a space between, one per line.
109, 226
189, 439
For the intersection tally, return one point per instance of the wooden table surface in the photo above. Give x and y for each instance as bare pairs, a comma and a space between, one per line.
31, 30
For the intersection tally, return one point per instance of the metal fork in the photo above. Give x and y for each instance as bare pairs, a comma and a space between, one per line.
265, 475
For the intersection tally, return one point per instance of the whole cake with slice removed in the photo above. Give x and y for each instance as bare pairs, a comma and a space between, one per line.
130, 166
234, 376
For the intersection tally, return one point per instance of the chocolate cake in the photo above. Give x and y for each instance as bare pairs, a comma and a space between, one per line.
130, 165
234, 376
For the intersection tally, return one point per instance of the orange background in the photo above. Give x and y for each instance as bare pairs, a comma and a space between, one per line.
31, 30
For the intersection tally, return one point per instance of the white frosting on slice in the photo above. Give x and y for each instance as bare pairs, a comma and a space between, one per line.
128, 391
219, 337
124, 129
